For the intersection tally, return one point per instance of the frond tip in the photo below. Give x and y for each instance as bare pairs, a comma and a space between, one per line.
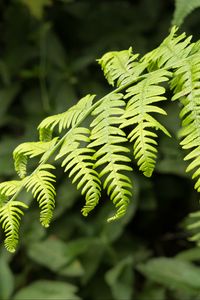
121, 66
31, 149
40, 184
69, 118
10, 216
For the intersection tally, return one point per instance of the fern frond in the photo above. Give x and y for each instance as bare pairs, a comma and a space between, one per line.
111, 155
172, 50
182, 9
142, 98
79, 161
9, 188
187, 82
69, 118
40, 184
121, 66
45, 134
10, 216
31, 149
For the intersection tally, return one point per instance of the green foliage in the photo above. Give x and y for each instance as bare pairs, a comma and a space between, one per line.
80, 162
68, 119
138, 109
47, 64
173, 273
96, 156
107, 136
47, 288
119, 66
40, 184
182, 9
10, 216
25, 150
36, 7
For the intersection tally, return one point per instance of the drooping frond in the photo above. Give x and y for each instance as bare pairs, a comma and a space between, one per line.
143, 98
186, 82
121, 66
186, 85
69, 118
31, 149
173, 49
9, 188
40, 184
182, 9
110, 155
10, 216
79, 161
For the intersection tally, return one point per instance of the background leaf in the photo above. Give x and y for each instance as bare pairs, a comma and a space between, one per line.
182, 9
45, 289
6, 280
36, 7
173, 274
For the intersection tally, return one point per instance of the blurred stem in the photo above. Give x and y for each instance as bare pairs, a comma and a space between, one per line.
42, 68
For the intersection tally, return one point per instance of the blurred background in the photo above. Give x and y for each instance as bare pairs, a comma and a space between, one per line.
48, 52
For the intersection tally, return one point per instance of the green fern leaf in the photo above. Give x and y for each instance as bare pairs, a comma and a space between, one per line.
186, 78
171, 51
40, 184
182, 9
69, 118
107, 137
31, 149
45, 134
9, 188
121, 66
80, 161
142, 98
10, 216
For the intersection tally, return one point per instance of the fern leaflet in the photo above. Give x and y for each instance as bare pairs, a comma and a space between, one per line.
121, 66
31, 149
171, 51
80, 161
10, 216
9, 188
141, 97
186, 79
69, 118
106, 135
40, 184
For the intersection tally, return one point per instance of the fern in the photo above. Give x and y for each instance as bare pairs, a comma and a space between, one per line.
9, 188
187, 89
45, 134
141, 97
69, 118
10, 216
120, 66
173, 49
80, 161
40, 184
99, 156
106, 135
32, 149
